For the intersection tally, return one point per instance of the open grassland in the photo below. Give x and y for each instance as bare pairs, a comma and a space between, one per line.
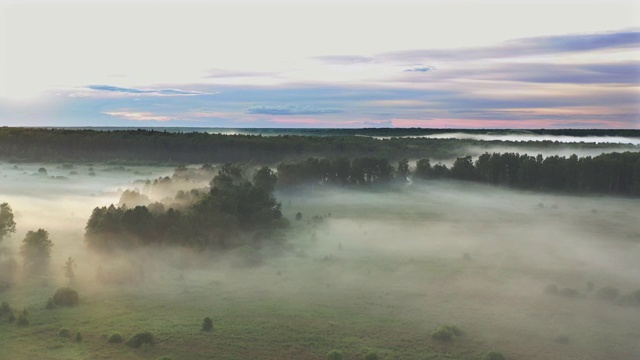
371, 271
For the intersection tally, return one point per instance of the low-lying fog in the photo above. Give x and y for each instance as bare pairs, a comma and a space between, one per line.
531, 137
475, 256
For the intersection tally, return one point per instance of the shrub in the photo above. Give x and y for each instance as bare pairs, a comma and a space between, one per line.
65, 297
115, 338
5, 308
23, 319
371, 355
334, 355
551, 289
493, 355
446, 333
569, 293
139, 339
207, 324
78, 337
50, 305
562, 339
607, 293
298, 216
64, 332
6, 314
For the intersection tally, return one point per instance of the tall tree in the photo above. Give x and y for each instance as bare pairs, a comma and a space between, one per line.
36, 250
7, 225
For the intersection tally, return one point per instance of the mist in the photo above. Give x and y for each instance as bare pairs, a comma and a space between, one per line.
422, 254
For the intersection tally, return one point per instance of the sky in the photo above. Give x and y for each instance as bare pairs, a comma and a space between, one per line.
320, 64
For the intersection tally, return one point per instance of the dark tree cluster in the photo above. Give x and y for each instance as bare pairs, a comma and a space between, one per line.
232, 210
340, 171
612, 173
151, 146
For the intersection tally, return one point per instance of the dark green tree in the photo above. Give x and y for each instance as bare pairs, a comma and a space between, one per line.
7, 225
36, 250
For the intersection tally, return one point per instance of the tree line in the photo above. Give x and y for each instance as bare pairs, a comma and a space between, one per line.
611, 173
152, 146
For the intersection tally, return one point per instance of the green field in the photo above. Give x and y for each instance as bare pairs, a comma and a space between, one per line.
379, 273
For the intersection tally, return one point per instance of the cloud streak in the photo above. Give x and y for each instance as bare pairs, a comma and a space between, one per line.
290, 110
134, 91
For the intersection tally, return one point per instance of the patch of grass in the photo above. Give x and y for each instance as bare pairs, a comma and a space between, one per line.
493, 355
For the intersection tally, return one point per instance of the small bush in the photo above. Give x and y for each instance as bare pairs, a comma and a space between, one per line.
139, 339
569, 293
78, 337
66, 297
493, 355
629, 299
446, 333
23, 319
207, 324
372, 355
64, 333
6, 314
5, 308
115, 338
334, 355
551, 289
607, 293
50, 305
562, 339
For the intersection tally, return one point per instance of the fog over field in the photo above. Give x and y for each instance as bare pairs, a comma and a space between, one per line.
530, 137
418, 255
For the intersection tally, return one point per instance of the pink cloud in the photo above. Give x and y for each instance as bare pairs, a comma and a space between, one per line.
507, 124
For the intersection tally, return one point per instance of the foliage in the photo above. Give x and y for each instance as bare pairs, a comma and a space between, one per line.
139, 339
65, 297
446, 333
233, 206
371, 355
36, 250
7, 224
64, 333
23, 318
207, 324
607, 293
69, 267
493, 355
334, 355
6, 314
115, 338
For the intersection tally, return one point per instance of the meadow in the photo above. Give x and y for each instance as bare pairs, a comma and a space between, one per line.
370, 273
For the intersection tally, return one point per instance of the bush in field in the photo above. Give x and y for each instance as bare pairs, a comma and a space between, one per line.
334, 355
78, 337
608, 293
23, 319
569, 293
551, 289
65, 297
446, 333
493, 355
64, 333
50, 305
115, 338
371, 355
629, 299
6, 314
207, 324
139, 339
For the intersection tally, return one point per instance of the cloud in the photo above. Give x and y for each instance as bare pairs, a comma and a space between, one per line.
139, 116
133, 91
290, 110
561, 44
224, 74
420, 69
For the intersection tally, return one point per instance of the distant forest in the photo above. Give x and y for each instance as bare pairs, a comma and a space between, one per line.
166, 147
